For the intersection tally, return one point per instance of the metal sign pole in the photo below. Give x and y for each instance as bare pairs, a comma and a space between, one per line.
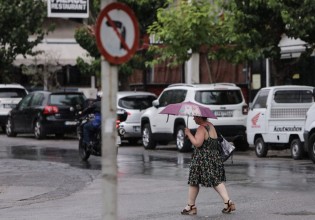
109, 75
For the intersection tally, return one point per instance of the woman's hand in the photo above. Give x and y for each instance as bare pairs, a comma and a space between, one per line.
187, 131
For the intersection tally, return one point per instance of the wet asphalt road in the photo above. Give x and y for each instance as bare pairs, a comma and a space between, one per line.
152, 184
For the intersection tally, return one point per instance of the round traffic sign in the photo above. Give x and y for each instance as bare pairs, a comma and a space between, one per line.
117, 33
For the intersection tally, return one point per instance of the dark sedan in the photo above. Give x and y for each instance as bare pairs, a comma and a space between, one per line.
43, 113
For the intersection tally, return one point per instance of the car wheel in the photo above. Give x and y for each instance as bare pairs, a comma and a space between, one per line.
38, 130
84, 153
9, 128
260, 147
182, 143
311, 147
296, 147
147, 139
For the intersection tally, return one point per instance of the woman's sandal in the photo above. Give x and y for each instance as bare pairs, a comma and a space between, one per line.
191, 211
230, 207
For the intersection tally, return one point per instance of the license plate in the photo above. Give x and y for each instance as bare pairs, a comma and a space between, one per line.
223, 113
70, 123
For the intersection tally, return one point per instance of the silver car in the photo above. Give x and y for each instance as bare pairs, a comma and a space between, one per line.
134, 102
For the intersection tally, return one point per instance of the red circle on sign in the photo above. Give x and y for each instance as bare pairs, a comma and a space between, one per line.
105, 13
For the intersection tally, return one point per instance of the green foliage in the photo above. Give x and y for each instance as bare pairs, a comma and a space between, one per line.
255, 29
187, 26
87, 41
19, 20
92, 68
145, 11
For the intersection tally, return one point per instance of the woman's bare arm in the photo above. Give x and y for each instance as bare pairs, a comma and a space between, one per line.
199, 137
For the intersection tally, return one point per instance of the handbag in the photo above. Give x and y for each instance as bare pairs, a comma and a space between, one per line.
227, 148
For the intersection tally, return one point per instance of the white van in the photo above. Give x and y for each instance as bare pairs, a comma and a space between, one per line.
309, 133
276, 119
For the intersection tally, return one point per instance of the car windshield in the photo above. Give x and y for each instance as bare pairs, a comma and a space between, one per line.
136, 102
218, 97
67, 99
12, 93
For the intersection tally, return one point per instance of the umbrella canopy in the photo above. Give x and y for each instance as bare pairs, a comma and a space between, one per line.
188, 109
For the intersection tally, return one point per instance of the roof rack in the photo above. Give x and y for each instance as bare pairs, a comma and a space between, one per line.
180, 84
225, 84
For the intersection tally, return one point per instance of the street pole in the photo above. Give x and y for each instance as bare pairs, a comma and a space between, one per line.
109, 79
267, 72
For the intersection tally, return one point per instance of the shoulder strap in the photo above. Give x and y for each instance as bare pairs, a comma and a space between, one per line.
207, 127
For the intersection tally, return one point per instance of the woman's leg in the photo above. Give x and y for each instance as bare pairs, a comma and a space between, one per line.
229, 205
190, 208
192, 194
222, 192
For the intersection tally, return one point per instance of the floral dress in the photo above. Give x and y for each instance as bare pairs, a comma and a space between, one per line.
206, 166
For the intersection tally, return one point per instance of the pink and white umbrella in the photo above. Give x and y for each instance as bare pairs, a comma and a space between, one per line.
188, 109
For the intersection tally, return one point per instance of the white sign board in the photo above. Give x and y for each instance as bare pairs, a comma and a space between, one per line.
68, 8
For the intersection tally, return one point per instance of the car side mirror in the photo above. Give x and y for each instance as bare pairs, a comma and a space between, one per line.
156, 103
250, 106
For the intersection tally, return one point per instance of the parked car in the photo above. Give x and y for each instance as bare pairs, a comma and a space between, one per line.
10, 95
44, 113
135, 103
276, 119
224, 99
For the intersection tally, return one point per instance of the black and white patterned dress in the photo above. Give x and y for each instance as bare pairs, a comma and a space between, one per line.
206, 166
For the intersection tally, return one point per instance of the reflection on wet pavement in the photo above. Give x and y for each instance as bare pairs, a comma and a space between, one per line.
68, 156
270, 172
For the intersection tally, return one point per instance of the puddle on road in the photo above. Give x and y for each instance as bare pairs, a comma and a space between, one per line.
271, 173
67, 156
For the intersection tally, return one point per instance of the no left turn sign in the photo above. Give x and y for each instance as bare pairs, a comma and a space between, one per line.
117, 33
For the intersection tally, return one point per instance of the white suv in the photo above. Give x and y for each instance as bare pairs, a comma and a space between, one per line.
134, 103
10, 96
224, 99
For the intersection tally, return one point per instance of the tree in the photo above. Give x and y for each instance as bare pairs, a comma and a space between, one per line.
187, 26
19, 20
255, 29
145, 11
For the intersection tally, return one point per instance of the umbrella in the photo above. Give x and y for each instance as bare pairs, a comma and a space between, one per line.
188, 109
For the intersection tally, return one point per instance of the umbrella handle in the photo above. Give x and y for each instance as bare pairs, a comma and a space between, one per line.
187, 121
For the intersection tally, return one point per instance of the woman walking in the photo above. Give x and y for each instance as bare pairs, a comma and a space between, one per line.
206, 167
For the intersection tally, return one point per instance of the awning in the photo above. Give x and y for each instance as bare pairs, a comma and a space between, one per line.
60, 52
290, 47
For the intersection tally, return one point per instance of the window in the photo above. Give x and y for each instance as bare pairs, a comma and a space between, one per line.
219, 97
261, 100
178, 96
136, 102
293, 96
37, 99
172, 97
25, 102
12, 93
67, 99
